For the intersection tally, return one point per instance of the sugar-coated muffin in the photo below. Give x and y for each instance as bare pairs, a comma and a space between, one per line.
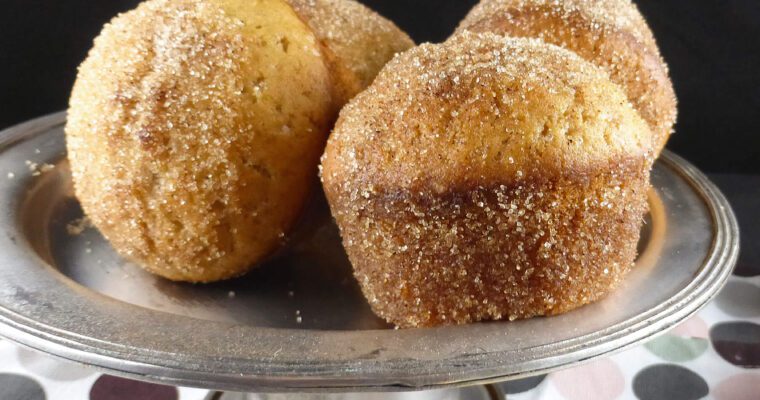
488, 178
357, 41
194, 132
609, 33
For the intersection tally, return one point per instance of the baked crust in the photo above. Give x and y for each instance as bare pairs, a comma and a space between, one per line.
194, 132
611, 34
488, 178
357, 41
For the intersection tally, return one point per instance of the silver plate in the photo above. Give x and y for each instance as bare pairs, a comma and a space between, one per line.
72, 297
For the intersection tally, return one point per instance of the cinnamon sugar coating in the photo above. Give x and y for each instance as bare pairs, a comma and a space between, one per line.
194, 132
488, 178
609, 33
357, 41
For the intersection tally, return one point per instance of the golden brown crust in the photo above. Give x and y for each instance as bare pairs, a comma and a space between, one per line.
194, 132
357, 41
429, 105
488, 178
490, 253
611, 34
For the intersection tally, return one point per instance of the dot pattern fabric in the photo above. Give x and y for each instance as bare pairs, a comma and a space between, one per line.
714, 355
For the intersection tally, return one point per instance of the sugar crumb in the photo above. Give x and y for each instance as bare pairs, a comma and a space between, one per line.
77, 226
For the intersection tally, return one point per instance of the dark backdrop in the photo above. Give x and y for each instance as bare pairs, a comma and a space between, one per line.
712, 46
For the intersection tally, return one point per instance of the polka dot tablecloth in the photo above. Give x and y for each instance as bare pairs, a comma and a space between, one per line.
715, 354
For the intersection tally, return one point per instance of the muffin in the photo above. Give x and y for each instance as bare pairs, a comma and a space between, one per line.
357, 41
488, 178
609, 33
194, 132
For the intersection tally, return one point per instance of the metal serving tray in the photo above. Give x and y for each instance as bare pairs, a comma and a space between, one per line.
300, 323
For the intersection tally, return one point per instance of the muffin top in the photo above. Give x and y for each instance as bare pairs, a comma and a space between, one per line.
604, 15
357, 41
482, 110
611, 34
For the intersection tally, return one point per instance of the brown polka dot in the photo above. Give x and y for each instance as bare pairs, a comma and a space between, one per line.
114, 388
737, 342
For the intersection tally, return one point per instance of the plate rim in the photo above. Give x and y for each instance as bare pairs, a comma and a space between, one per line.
690, 299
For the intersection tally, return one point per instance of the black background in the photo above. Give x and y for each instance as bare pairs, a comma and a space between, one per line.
713, 48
